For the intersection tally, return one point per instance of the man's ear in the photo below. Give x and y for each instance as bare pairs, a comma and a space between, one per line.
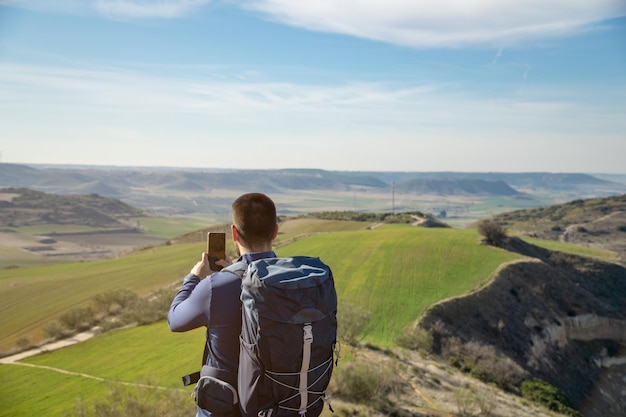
275, 233
234, 232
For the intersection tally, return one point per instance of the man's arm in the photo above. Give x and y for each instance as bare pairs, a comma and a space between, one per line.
189, 309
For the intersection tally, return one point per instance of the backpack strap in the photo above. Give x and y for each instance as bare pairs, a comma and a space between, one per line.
304, 370
238, 268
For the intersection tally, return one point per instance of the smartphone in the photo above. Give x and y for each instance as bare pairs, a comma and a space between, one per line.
216, 248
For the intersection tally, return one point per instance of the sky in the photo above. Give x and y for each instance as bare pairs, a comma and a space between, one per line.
354, 85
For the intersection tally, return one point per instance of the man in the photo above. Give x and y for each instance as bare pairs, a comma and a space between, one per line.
211, 299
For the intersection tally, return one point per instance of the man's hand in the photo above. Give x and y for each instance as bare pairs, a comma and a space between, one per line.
203, 268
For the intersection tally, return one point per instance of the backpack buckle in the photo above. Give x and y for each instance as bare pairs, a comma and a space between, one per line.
308, 333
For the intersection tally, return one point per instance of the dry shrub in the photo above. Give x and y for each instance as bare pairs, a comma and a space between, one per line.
351, 323
125, 401
361, 381
493, 232
415, 338
484, 362
474, 402
78, 318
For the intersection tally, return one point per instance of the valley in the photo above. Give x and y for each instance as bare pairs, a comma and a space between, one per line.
59, 251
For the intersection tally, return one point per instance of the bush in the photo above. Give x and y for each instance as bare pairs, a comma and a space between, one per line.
110, 301
483, 362
78, 318
138, 402
55, 330
149, 309
493, 232
542, 393
363, 382
351, 323
415, 338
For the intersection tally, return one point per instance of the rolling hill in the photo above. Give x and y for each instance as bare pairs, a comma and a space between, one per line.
598, 222
373, 267
23, 207
185, 191
395, 271
456, 186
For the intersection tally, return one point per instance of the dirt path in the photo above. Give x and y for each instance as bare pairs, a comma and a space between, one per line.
48, 347
96, 378
81, 337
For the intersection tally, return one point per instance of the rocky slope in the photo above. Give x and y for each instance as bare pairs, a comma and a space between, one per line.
557, 317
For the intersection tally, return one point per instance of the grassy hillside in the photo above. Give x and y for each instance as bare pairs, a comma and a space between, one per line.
144, 355
33, 296
394, 270
397, 271
598, 223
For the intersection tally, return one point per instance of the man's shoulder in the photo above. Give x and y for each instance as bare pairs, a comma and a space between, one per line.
225, 278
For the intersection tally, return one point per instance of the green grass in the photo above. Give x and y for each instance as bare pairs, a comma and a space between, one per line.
13, 258
161, 227
397, 271
31, 297
301, 227
169, 227
41, 392
143, 355
573, 249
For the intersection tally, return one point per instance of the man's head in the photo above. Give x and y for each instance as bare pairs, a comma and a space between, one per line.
254, 221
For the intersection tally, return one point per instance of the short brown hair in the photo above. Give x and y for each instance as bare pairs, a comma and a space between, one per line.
254, 216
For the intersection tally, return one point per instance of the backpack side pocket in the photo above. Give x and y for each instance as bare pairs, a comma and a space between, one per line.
216, 391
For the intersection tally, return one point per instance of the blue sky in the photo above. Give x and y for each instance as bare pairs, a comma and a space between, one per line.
393, 85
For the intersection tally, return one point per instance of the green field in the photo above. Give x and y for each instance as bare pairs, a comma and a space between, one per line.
11, 258
143, 355
394, 270
161, 227
33, 296
574, 249
397, 270
169, 227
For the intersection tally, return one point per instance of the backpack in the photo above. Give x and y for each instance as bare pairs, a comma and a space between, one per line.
288, 341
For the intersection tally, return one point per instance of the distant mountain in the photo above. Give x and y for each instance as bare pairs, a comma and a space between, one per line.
180, 191
456, 186
534, 180
15, 175
68, 180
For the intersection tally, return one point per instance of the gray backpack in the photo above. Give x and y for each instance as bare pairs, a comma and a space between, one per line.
288, 338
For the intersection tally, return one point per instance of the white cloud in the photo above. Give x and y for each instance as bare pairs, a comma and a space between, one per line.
412, 23
444, 23
117, 9
98, 112
148, 8
294, 108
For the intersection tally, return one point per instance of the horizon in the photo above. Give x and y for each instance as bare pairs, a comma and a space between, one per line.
391, 86
222, 169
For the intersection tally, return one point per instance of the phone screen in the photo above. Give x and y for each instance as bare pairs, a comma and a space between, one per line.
216, 248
